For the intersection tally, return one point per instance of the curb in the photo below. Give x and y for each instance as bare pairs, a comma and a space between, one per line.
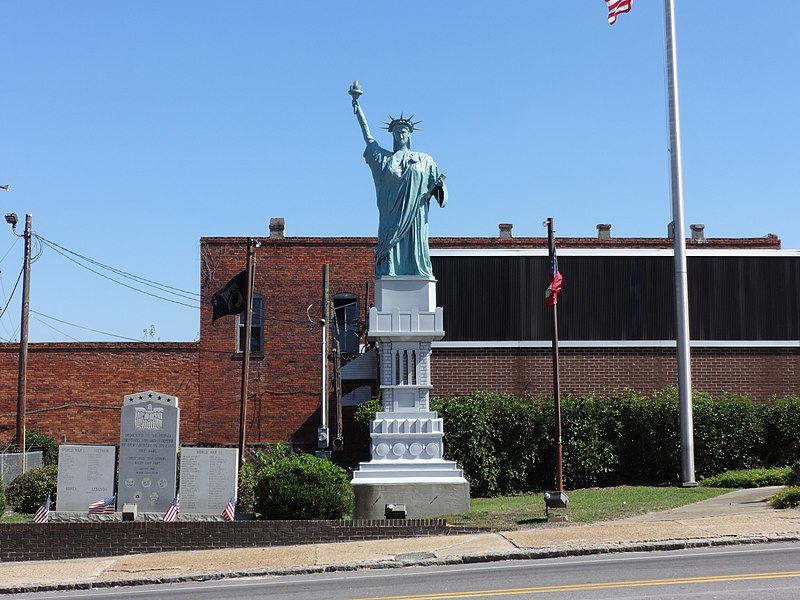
419, 559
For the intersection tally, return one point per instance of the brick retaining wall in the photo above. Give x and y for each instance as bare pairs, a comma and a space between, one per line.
58, 541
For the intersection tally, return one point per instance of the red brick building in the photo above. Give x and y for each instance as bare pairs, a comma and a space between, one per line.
615, 316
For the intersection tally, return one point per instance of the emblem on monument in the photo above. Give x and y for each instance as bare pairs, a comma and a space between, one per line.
149, 418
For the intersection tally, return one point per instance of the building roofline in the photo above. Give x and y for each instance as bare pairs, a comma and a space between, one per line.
769, 242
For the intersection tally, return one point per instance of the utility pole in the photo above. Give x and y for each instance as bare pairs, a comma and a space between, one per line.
248, 324
22, 380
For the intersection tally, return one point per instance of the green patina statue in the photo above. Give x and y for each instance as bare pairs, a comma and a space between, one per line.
405, 182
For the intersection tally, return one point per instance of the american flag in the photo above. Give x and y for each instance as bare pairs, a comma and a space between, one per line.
43, 512
554, 279
173, 511
617, 7
103, 507
230, 509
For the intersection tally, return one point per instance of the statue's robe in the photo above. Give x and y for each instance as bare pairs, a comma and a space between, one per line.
402, 181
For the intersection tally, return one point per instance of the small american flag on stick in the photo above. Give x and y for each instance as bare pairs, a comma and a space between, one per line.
617, 7
103, 507
43, 512
230, 510
173, 511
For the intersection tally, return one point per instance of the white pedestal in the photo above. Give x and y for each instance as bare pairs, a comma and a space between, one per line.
407, 447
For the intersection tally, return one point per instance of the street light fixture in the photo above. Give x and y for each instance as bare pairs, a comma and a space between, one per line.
11, 219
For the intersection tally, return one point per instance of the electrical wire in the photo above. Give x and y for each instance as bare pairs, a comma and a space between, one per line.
121, 337
12, 293
16, 241
162, 287
46, 324
57, 248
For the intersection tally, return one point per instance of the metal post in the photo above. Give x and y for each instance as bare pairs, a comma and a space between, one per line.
551, 246
323, 434
337, 394
248, 324
22, 380
681, 285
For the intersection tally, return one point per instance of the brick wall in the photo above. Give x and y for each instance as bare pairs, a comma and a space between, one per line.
76, 389
284, 381
759, 373
61, 541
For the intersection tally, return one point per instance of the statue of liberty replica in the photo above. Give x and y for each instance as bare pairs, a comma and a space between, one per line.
407, 468
405, 182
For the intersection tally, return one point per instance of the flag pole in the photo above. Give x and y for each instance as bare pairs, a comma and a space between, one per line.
248, 323
551, 247
681, 285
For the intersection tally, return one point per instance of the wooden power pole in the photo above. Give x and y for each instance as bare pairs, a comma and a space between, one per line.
22, 381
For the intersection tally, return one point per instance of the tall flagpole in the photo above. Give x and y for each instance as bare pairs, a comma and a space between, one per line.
551, 248
681, 286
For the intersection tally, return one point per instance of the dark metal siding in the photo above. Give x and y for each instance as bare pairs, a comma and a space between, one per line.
501, 298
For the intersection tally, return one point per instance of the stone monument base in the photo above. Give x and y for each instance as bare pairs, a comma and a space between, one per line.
421, 498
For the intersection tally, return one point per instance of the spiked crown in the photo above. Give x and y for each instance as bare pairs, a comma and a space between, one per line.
401, 120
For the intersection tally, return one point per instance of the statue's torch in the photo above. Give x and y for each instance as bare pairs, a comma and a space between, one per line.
355, 92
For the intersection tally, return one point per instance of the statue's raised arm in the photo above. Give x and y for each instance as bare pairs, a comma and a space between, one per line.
355, 92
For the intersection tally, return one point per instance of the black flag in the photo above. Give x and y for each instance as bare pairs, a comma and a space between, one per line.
231, 299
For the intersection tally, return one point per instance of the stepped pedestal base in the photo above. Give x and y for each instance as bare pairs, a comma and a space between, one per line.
422, 499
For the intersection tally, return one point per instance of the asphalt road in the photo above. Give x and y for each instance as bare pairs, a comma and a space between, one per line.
726, 573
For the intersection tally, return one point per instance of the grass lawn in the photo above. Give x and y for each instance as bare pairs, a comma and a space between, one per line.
16, 518
585, 506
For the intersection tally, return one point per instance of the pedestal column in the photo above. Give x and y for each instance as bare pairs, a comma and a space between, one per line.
406, 437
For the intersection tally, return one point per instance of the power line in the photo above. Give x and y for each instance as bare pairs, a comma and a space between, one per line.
137, 278
46, 324
12, 293
58, 249
121, 337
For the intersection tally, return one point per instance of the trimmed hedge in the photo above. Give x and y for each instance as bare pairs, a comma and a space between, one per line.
748, 478
300, 486
27, 492
505, 443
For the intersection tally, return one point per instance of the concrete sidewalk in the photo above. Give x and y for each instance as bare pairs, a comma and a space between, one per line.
739, 517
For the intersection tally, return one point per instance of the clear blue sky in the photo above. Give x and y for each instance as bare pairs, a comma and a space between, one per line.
131, 129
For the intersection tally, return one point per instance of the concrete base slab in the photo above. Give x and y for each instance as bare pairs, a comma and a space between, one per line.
422, 499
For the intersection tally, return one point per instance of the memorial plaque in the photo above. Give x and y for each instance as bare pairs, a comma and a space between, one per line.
85, 475
148, 451
209, 478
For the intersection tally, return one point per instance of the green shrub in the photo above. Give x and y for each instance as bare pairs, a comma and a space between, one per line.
728, 434
794, 474
748, 478
590, 432
366, 411
649, 438
47, 443
497, 439
781, 420
300, 486
505, 444
245, 492
2, 497
30, 489
41, 441
787, 498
